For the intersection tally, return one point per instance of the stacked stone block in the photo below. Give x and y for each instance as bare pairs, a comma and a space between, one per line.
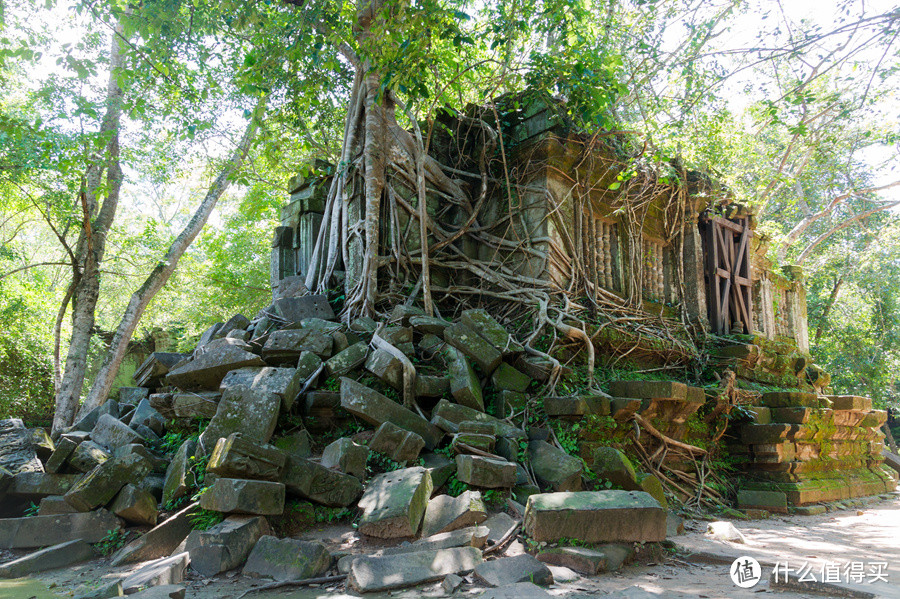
803, 449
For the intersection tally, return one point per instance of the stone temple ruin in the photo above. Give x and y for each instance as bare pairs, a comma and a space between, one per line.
442, 431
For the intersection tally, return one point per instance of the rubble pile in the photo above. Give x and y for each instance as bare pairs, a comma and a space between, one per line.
438, 457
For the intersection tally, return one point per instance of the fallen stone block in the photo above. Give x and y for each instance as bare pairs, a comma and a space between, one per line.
57, 460
457, 414
375, 408
510, 570
89, 420
520, 590
439, 466
507, 378
485, 355
165, 571
611, 464
232, 495
398, 444
112, 433
145, 415
196, 404
346, 456
135, 505
106, 591
282, 382
368, 574
445, 513
53, 505
208, 370
179, 476
485, 472
450, 583
432, 386
298, 443
394, 503
286, 345
166, 591
51, 558
554, 468
470, 536
315, 482
152, 371
226, 545
589, 562
16, 450
43, 531
464, 384
87, 456
649, 389
236, 457
160, 541
499, 525
286, 559
386, 367
42, 443
102, 483
348, 360
133, 395
428, 324
298, 309
34, 486
466, 442
595, 517
244, 411
490, 330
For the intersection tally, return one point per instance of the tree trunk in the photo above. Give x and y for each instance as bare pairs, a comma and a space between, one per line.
92, 244
160, 275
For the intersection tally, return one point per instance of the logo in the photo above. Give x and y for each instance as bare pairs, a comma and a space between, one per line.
745, 572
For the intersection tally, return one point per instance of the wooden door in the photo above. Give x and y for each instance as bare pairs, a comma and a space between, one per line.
726, 246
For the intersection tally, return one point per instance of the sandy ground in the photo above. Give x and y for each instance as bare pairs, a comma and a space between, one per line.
865, 535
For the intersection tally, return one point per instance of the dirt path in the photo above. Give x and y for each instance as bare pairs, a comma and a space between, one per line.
867, 535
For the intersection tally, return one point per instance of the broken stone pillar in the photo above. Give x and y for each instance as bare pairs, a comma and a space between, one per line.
394, 503
375, 408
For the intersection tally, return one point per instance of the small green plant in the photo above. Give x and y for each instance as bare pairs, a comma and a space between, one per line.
32, 510
378, 463
333, 514
206, 519
111, 542
456, 487
493, 497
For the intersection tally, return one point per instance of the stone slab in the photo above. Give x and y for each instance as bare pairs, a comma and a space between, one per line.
394, 503
44, 531
50, 558
595, 517
286, 559
375, 408
368, 574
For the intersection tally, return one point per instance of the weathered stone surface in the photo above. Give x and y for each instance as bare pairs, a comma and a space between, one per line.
649, 483
109, 432
508, 378
145, 414
87, 422
586, 561
236, 457
790, 399
179, 477
349, 359
226, 545
133, 395
485, 355
510, 570
499, 525
346, 456
464, 384
463, 441
491, 331
42, 443
850, 402
485, 472
398, 444
649, 389
555, 468
160, 541
161, 572
298, 309
51, 558
369, 574
439, 466
16, 450
429, 324
520, 590
208, 370
279, 381
298, 443
445, 513
386, 367
470, 536
43, 531
54, 505
57, 460
595, 517
375, 408
163, 403
286, 559
307, 364
315, 482
196, 404
135, 505
242, 410
287, 344
432, 386
457, 414
394, 503
611, 464
34, 486
232, 495
102, 483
